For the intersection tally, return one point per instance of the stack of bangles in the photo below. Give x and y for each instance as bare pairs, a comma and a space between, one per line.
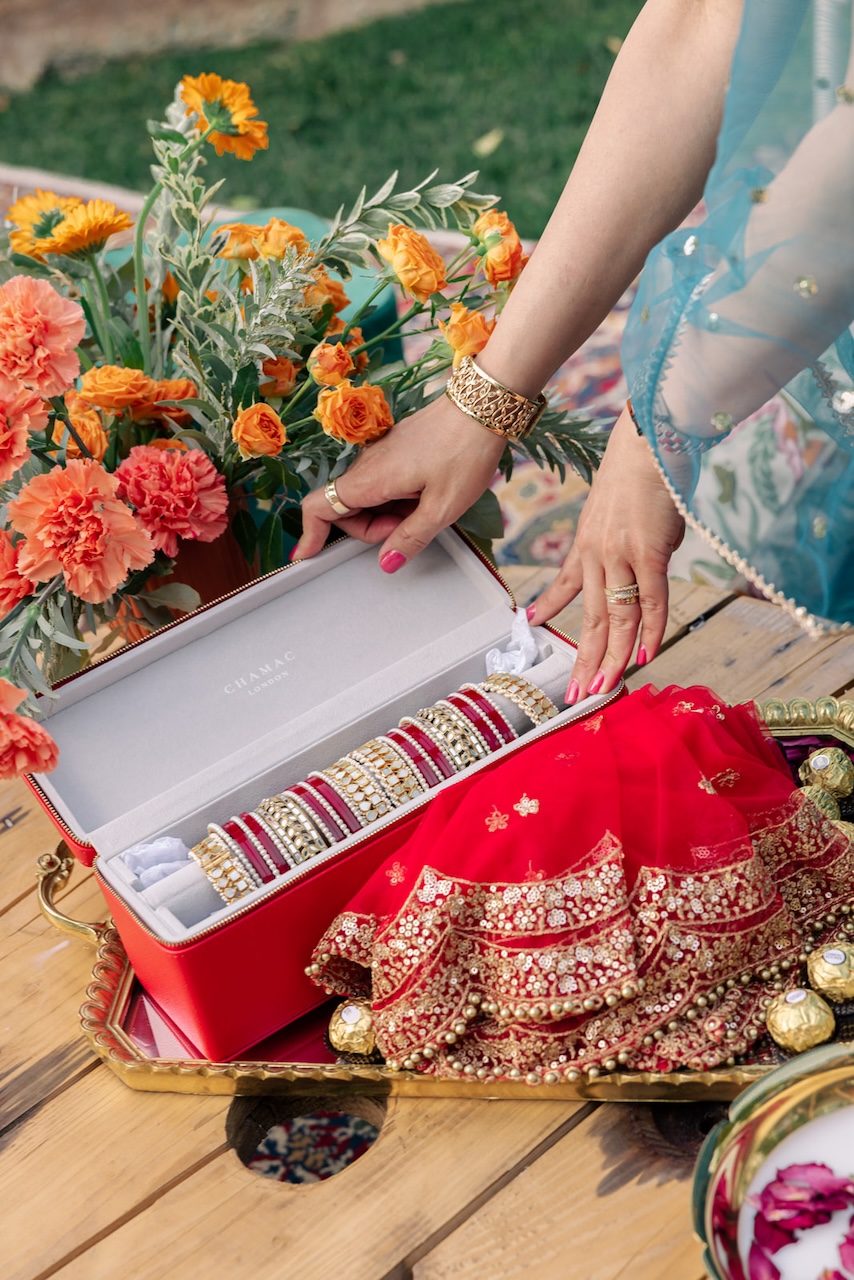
288, 829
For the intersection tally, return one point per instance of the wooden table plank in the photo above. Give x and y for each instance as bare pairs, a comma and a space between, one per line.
26, 832
752, 650
605, 1203
432, 1157
45, 975
86, 1159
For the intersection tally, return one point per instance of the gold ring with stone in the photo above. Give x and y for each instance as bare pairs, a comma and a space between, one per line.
623, 595
330, 493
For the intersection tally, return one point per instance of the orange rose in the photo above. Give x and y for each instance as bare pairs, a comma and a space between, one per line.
169, 389
417, 265
466, 332
329, 363
354, 414
110, 387
356, 339
282, 373
503, 259
242, 242
258, 431
278, 236
89, 427
325, 289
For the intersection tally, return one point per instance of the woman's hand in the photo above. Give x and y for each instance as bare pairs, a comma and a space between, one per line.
627, 532
407, 486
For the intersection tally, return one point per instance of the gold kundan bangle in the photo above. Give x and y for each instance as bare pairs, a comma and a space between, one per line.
396, 778
229, 878
492, 404
532, 700
459, 744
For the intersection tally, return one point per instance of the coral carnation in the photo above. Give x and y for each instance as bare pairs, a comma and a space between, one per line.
39, 330
75, 524
175, 495
227, 106
21, 411
25, 747
14, 587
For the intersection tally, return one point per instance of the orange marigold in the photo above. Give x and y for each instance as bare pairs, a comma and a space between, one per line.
503, 258
14, 587
242, 242
86, 227
282, 374
354, 414
21, 411
75, 524
466, 332
108, 386
259, 432
35, 217
227, 106
330, 363
417, 265
25, 747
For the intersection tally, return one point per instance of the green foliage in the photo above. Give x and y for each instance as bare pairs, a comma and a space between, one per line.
423, 90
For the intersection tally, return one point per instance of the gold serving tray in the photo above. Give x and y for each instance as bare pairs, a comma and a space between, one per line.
137, 1041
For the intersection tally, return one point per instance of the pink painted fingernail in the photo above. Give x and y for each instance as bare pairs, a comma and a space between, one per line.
642, 658
392, 561
572, 693
294, 554
596, 683
530, 611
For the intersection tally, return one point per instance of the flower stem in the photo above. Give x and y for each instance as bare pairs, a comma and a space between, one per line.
106, 336
31, 614
351, 324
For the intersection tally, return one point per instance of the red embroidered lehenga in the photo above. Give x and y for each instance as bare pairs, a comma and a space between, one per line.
628, 890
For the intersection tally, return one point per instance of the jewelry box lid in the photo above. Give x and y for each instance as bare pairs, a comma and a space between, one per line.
275, 672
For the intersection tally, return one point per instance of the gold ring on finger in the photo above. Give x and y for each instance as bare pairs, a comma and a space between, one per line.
331, 495
623, 595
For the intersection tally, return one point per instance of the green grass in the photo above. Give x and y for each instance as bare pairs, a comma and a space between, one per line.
413, 93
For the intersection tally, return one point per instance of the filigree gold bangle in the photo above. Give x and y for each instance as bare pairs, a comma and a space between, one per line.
525, 695
492, 404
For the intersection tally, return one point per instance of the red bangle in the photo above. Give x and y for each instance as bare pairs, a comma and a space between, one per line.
400, 740
259, 864
264, 839
423, 739
505, 730
331, 796
467, 708
322, 812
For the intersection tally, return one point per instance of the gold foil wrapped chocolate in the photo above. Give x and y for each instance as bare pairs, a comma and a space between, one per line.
831, 971
822, 799
829, 768
351, 1028
799, 1020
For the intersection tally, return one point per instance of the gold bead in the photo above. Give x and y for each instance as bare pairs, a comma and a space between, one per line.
470, 1012
610, 1064
592, 1073
611, 1000
532, 1078
551, 1077
450, 1038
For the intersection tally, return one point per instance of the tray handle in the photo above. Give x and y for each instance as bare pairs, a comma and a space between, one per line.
53, 872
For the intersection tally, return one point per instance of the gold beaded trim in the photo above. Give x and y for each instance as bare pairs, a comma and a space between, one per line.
492, 404
525, 695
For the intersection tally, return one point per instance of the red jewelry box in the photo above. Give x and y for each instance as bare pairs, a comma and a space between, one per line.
235, 703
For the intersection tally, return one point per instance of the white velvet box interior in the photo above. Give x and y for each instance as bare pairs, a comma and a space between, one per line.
242, 700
